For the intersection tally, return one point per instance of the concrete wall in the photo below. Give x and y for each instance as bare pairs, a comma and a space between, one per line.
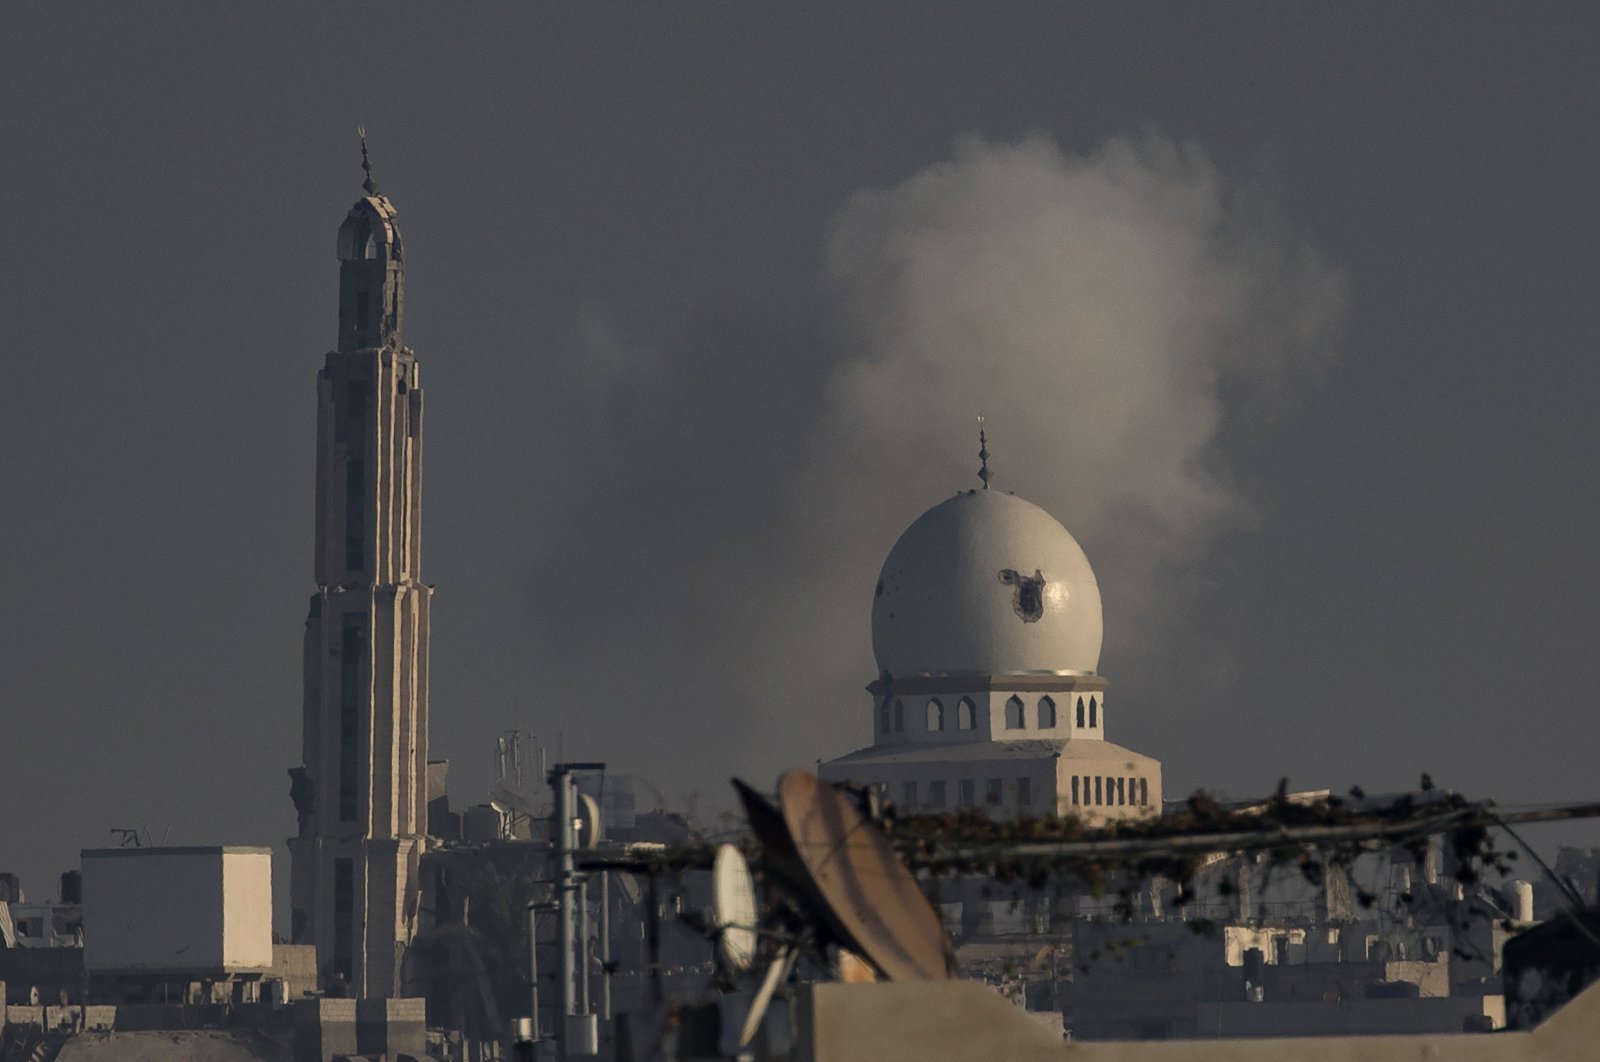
958, 1021
1039, 770
325, 1029
296, 966
50, 970
1431, 978
246, 909
1351, 1017
989, 716
58, 1019
175, 1045
915, 1021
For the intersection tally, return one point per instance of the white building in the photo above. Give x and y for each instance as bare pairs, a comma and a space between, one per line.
986, 626
178, 912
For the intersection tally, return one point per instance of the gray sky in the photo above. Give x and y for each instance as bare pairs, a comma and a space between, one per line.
1287, 312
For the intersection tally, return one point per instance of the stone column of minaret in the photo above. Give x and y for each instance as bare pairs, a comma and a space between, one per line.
360, 791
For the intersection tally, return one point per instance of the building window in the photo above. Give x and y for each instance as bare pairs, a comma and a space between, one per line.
910, 791
1122, 793
1080, 711
355, 520
1024, 791
883, 718
1047, 713
1074, 789
1144, 792
1014, 713
1099, 797
994, 794
967, 793
344, 918
899, 716
966, 714
936, 794
352, 672
352, 425
1092, 723
935, 715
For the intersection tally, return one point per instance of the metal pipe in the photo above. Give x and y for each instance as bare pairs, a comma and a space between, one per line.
605, 946
564, 786
652, 931
583, 945
533, 967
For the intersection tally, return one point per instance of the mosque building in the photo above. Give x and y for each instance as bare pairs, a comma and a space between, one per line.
986, 626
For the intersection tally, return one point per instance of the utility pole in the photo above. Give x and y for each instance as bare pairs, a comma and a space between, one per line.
564, 835
539, 1029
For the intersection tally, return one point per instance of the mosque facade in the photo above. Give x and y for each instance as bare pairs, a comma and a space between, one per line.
987, 627
361, 789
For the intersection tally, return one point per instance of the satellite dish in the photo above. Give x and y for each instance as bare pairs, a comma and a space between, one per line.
586, 829
733, 908
861, 885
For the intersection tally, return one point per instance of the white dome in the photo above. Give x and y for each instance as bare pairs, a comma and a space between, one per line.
986, 584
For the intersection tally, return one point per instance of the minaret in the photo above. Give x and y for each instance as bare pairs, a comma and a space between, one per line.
361, 789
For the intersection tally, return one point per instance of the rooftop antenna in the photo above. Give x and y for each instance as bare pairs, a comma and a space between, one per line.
366, 163
983, 454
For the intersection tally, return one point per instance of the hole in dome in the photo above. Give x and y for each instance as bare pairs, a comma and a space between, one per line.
1028, 593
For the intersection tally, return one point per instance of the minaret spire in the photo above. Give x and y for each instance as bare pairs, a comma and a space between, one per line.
366, 164
983, 454
360, 790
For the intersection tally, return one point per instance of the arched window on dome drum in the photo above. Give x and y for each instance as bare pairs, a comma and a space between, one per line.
1047, 713
883, 718
1014, 713
935, 715
899, 716
1092, 721
966, 714
1080, 711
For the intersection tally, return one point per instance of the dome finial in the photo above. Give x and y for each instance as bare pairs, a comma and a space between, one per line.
983, 454
366, 163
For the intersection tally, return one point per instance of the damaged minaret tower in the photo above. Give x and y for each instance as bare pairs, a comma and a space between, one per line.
361, 790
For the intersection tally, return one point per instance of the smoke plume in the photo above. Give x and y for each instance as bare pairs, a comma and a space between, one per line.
1106, 313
